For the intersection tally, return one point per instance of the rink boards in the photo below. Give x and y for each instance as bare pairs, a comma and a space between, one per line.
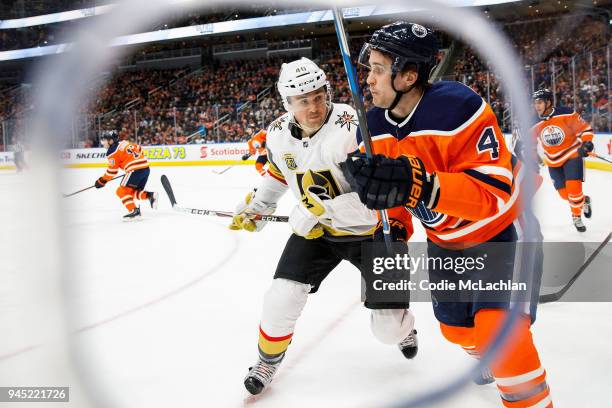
227, 154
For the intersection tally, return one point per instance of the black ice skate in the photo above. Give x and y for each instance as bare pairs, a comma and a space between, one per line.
579, 224
134, 215
153, 199
587, 210
485, 377
410, 345
260, 376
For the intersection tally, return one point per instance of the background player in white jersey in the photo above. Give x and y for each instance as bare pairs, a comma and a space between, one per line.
305, 147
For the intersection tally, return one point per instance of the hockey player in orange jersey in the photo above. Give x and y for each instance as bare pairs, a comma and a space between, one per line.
565, 139
127, 156
257, 145
440, 157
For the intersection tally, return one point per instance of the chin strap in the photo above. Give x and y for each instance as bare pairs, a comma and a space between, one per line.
546, 117
398, 94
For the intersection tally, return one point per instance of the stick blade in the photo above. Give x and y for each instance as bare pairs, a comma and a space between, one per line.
166, 184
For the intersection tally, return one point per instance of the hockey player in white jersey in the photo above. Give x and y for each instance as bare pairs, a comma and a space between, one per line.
305, 147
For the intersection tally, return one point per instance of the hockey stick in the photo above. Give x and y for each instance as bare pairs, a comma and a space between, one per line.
351, 73
227, 214
600, 157
222, 171
87, 188
551, 297
244, 157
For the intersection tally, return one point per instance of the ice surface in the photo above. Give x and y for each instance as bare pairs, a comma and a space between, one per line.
164, 312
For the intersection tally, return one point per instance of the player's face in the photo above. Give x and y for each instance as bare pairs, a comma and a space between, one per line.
379, 79
310, 109
540, 106
105, 143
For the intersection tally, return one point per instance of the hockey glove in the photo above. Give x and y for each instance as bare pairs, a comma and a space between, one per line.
383, 183
246, 156
398, 231
304, 223
101, 182
586, 148
245, 211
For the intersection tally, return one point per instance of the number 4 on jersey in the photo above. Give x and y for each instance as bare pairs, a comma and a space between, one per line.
488, 142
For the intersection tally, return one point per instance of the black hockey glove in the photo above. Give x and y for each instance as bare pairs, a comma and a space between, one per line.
246, 156
383, 183
398, 231
100, 182
586, 148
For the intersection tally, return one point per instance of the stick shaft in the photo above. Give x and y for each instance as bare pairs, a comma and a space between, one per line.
229, 214
600, 158
351, 73
551, 297
87, 188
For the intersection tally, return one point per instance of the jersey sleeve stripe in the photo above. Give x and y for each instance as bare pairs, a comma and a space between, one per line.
479, 224
498, 184
282, 180
563, 152
276, 173
498, 171
560, 160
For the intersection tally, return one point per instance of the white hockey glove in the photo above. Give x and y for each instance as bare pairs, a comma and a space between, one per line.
304, 223
243, 214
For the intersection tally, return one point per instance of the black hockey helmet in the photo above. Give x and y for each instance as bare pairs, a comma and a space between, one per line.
405, 43
544, 94
110, 136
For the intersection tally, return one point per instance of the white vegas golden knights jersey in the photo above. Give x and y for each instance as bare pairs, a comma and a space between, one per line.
291, 156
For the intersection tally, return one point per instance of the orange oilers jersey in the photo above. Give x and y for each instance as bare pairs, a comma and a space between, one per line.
560, 135
126, 156
257, 144
456, 135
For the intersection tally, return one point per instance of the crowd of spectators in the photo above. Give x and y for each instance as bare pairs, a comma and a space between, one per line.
567, 55
229, 101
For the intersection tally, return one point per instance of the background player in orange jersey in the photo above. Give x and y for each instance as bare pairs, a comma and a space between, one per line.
440, 157
257, 145
127, 156
565, 139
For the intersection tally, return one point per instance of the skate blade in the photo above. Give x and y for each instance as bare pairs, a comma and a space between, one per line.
135, 219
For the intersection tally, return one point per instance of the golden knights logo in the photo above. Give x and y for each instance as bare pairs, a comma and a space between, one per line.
323, 178
290, 161
346, 119
277, 124
552, 136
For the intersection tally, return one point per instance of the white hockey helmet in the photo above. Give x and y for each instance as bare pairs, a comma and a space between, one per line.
300, 77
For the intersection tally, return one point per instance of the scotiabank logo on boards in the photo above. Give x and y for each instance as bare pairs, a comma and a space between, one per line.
228, 151
210, 151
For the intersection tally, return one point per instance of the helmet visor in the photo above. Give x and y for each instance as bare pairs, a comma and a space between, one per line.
379, 65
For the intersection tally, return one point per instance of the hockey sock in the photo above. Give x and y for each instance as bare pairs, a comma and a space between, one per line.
142, 195
463, 336
563, 193
272, 349
283, 304
126, 194
575, 196
520, 377
259, 166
